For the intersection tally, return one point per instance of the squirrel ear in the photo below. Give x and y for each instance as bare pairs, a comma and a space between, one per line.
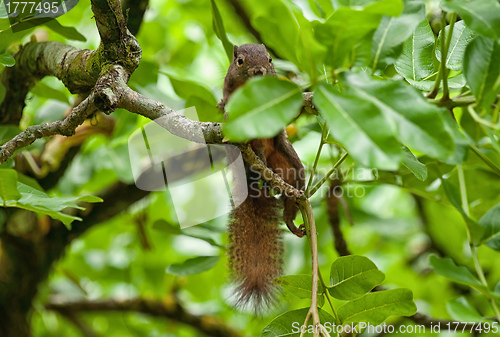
235, 51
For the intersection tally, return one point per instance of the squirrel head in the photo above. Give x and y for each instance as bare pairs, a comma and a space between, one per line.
248, 60
251, 60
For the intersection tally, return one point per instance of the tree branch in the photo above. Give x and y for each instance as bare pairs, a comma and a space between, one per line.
170, 309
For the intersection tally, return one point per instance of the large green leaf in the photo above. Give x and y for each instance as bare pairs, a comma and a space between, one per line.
346, 27
360, 127
481, 69
446, 267
290, 324
416, 123
392, 33
416, 61
8, 187
353, 276
483, 16
375, 307
220, 31
491, 223
301, 286
261, 108
193, 266
460, 39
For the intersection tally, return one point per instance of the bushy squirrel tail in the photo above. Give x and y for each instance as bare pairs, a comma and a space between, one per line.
255, 251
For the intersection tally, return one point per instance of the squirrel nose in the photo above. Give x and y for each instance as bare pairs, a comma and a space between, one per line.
257, 71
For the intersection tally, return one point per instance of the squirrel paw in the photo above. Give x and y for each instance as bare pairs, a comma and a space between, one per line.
301, 231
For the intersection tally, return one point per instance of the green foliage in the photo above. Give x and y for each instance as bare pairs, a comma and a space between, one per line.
446, 267
26, 194
375, 307
262, 108
353, 276
421, 176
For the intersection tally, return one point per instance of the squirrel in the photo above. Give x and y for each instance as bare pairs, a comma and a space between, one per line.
255, 246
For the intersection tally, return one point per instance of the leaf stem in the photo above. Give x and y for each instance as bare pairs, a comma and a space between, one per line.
444, 55
328, 297
486, 160
327, 175
318, 153
478, 119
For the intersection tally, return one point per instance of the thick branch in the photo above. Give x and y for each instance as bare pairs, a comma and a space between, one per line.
77, 69
105, 97
209, 325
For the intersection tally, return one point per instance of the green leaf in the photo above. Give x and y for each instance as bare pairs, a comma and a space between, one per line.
481, 70
8, 187
193, 266
198, 96
454, 83
166, 227
290, 35
290, 323
460, 39
194, 232
483, 16
301, 286
446, 267
360, 127
491, 223
43, 90
262, 108
7, 60
416, 61
220, 31
415, 122
375, 307
353, 276
392, 33
35, 200
460, 310
346, 27
68, 32
411, 163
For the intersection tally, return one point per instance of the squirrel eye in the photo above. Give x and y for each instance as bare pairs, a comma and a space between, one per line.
240, 61
270, 59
